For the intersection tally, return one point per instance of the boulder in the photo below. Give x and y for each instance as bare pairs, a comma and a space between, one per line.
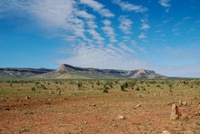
166, 132
138, 105
120, 117
179, 102
28, 97
175, 113
184, 103
140, 95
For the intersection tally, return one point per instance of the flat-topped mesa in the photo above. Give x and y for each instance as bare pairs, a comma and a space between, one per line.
63, 67
145, 71
68, 71
112, 73
66, 67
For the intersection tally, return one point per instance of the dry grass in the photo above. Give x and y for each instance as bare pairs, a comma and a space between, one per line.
89, 110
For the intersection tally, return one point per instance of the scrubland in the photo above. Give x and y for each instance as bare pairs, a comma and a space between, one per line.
127, 106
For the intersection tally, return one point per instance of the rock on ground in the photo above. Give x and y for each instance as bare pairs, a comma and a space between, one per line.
166, 132
175, 113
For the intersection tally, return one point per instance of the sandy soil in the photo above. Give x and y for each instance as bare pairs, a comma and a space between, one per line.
99, 113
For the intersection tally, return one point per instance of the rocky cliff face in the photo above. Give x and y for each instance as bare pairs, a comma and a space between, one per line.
141, 73
21, 72
66, 71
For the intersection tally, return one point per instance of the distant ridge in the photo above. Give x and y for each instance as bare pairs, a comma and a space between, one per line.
6, 73
69, 71
66, 71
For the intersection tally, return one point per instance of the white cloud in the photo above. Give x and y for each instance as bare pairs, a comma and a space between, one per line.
96, 6
165, 3
92, 31
8, 7
106, 22
125, 24
109, 31
135, 45
142, 36
74, 22
130, 7
106, 58
125, 47
145, 26
144, 21
96, 36
91, 24
58, 15
52, 13
77, 26
84, 15
126, 38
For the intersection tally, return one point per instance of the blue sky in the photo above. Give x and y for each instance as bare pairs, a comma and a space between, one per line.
159, 35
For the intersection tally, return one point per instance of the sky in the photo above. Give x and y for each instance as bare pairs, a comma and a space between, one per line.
159, 35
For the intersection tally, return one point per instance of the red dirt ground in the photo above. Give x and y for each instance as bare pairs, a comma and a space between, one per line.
94, 114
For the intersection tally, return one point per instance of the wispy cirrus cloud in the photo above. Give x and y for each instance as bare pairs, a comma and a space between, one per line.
166, 4
84, 14
55, 13
109, 31
125, 24
96, 36
92, 26
96, 6
144, 26
126, 38
125, 47
142, 36
109, 57
135, 45
125, 6
176, 27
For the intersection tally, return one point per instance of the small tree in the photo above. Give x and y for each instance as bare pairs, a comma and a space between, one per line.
33, 89
80, 84
105, 89
137, 88
170, 88
43, 86
10, 84
122, 88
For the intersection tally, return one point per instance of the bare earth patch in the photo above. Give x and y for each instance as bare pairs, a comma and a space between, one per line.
92, 112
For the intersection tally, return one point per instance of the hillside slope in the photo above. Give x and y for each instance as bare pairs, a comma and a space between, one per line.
67, 71
10, 73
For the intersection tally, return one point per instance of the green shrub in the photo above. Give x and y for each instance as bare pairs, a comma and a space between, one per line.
80, 84
11, 84
105, 90
137, 88
123, 88
158, 86
43, 86
33, 89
